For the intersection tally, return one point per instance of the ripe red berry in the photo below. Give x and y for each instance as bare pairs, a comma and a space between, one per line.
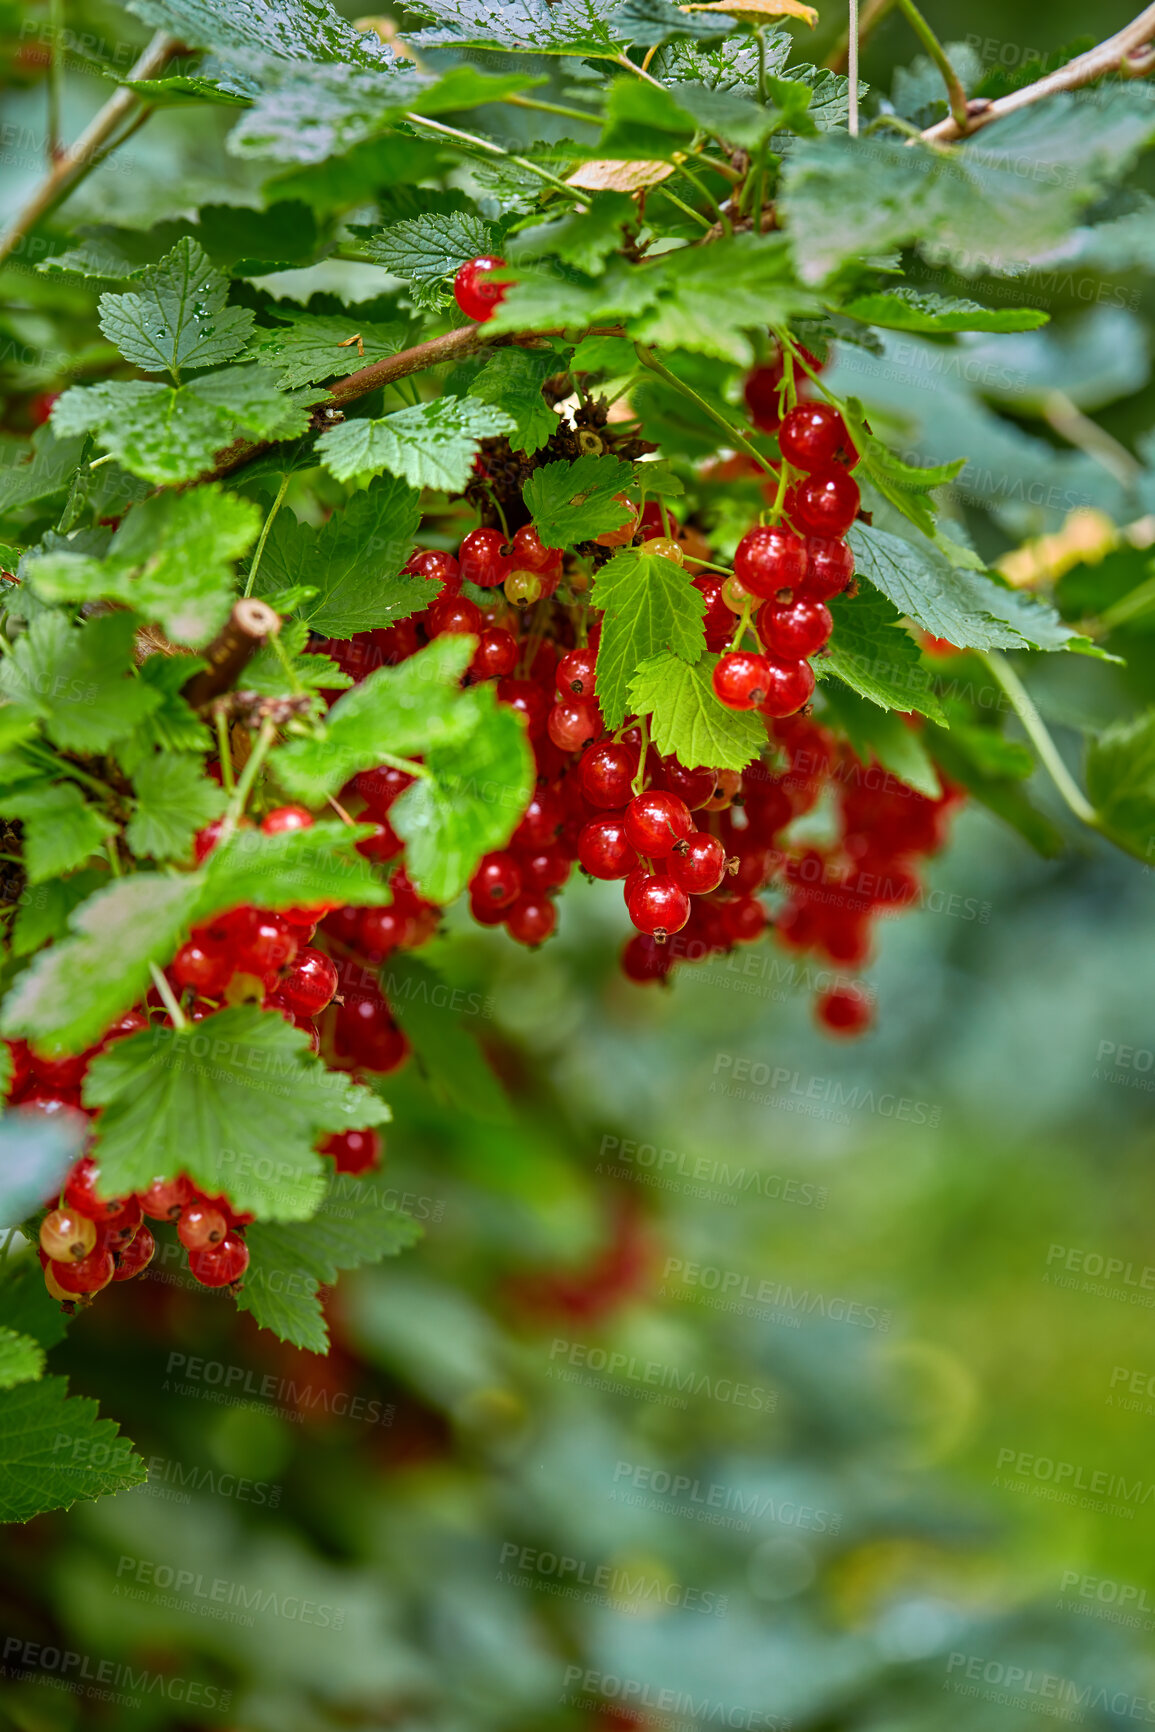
607, 773
88, 1275
383, 844
380, 787
202, 968
658, 906
495, 656
20, 1070
117, 1235
287, 818
829, 567
574, 723
703, 865
695, 787
741, 679
577, 672
310, 983
497, 880
769, 559
80, 1193
381, 931
530, 553
353, 1151
545, 868
644, 959
66, 1235
366, 1033
744, 920
541, 821
826, 503
761, 391
200, 1225
604, 850
136, 1256
813, 436
483, 558
844, 1010
431, 562
165, 1198
220, 1265
452, 615
527, 699
790, 685
718, 620
655, 821
266, 944
531, 920
796, 629
475, 292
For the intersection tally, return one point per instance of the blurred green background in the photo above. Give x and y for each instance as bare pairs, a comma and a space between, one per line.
742, 1378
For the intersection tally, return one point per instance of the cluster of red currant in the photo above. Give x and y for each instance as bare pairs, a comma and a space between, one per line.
785, 573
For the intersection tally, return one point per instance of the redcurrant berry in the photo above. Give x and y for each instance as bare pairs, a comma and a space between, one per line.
531, 920
769, 559
574, 723
66, 1236
353, 1151
718, 622
813, 436
475, 292
136, 1256
658, 907
286, 818
790, 685
703, 865
165, 1198
310, 983
844, 1010
829, 567
431, 562
220, 1265
495, 656
795, 630
88, 1275
741, 679
451, 615
826, 503
200, 1226
576, 672
604, 850
497, 880
483, 558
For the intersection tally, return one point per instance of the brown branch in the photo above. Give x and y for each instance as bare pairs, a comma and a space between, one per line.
249, 625
1129, 51
75, 162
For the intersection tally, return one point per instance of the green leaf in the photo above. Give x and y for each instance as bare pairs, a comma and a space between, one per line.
282, 871
353, 561
905, 485
398, 711
975, 757
311, 30
44, 909
167, 434
550, 301
967, 608
54, 1449
737, 119
521, 26
430, 1010
871, 651
584, 239
884, 736
909, 309
287, 1262
179, 319
35, 1155
170, 560
572, 502
431, 445
1006, 196
471, 799
174, 799
173, 726
32, 473
643, 122
316, 346
269, 675
1121, 780
426, 248
650, 23
709, 297
686, 718
79, 679
61, 830
21, 1358
236, 1101
649, 605
512, 380
18, 722
79, 985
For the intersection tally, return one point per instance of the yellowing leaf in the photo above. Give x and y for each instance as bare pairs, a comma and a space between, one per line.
604, 176
756, 8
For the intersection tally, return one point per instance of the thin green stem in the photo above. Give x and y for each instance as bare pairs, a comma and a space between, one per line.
956, 95
112, 856
1139, 601
1037, 732
628, 65
552, 108
225, 753
168, 998
736, 438
743, 625
244, 787
497, 150
760, 39
61, 768
665, 192
55, 77
719, 213
639, 780
893, 120
268, 524
282, 655
409, 766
